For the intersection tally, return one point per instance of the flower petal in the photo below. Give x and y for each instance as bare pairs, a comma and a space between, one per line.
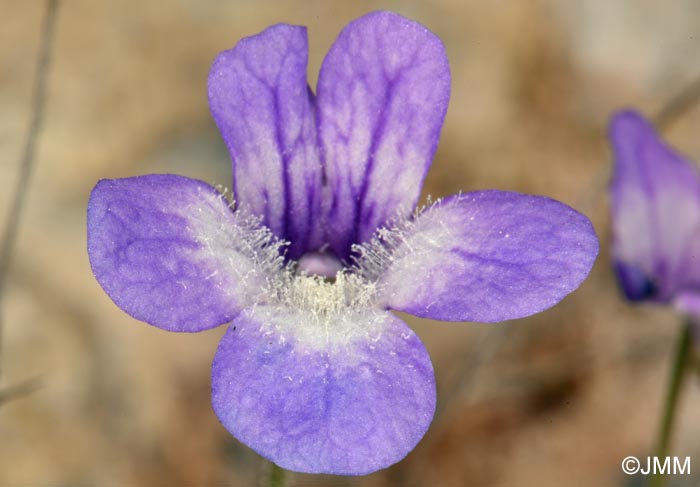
169, 251
349, 396
655, 210
383, 91
487, 256
263, 107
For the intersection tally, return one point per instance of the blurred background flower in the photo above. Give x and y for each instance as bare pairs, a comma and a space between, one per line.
655, 205
557, 398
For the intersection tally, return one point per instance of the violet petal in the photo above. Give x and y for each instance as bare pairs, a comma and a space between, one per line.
169, 251
263, 107
655, 197
383, 91
488, 256
348, 396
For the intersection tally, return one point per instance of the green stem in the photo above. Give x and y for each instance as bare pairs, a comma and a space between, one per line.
678, 372
277, 475
679, 105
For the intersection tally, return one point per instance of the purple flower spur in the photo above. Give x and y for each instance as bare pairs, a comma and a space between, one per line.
315, 373
656, 217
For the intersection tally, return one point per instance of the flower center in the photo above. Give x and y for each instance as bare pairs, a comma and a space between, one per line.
320, 312
321, 263
325, 299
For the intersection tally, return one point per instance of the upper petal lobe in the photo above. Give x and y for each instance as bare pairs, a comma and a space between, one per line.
488, 256
383, 91
169, 251
263, 107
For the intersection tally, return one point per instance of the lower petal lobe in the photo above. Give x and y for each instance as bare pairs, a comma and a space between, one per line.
169, 251
487, 256
319, 400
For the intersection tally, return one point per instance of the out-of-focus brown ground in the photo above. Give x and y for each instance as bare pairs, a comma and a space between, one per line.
556, 399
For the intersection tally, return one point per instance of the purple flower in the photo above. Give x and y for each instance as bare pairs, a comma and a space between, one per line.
656, 217
314, 372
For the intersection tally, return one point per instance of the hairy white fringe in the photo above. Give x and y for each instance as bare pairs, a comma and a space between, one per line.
250, 240
371, 259
352, 290
321, 298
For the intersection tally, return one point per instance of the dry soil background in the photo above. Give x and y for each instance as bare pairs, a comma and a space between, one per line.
556, 399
